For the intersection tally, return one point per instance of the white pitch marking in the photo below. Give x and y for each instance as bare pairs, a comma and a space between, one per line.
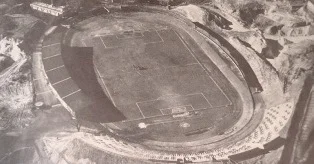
102, 80
161, 111
174, 95
103, 42
106, 47
207, 100
202, 66
159, 36
140, 110
143, 118
179, 120
50, 45
130, 37
170, 107
193, 108
175, 107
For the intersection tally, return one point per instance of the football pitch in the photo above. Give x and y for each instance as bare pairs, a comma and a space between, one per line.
153, 73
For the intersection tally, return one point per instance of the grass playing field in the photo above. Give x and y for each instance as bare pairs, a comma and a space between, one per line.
147, 72
153, 76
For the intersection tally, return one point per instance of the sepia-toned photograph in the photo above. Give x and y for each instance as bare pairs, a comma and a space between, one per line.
156, 81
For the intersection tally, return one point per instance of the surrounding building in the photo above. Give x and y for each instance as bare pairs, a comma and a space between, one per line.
48, 8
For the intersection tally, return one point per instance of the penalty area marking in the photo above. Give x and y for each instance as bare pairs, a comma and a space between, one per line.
183, 107
140, 111
102, 42
160, 36
206, 100
167, 97
174, 120
161, 39
195, 110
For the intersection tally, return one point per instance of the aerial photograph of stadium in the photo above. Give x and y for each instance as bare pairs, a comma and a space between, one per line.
156, 81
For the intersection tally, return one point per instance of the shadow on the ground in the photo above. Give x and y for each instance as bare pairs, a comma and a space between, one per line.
95, 106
